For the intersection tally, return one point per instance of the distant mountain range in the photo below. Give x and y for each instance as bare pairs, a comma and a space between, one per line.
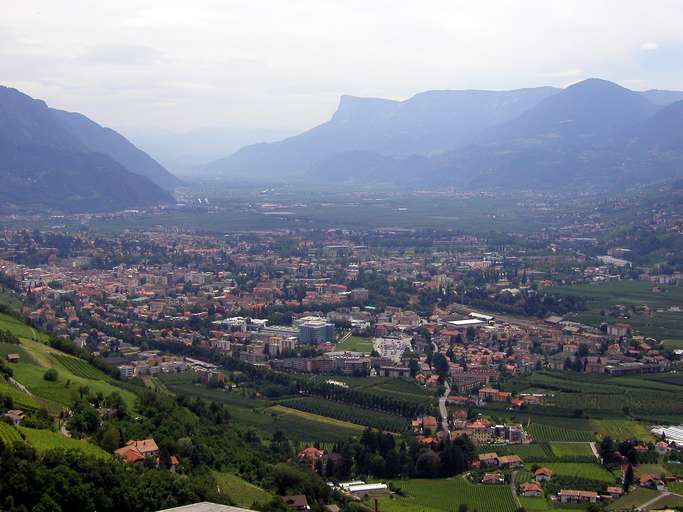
593, 133
64, 161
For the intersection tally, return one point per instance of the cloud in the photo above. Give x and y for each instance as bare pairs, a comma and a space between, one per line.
123, 54
649, 46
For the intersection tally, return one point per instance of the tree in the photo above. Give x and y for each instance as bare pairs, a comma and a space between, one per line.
428, 464
111, 438
440, 364
51, 375
628, 477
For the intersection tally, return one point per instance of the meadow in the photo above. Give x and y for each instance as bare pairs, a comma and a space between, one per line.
20, 329
62, 392
8, 434
241, 492
356, 344
43, 440
590, 471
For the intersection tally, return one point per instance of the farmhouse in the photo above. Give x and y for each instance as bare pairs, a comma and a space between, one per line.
15, 416
12, 358
543, 474
135, 451
510, 461
488, 459
573, 496
492, 478
296, 502
531, 489
615, 491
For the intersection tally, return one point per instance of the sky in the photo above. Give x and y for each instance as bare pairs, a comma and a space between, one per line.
282, 64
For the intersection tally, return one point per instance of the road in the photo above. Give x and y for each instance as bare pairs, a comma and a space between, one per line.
443, 410
644, 506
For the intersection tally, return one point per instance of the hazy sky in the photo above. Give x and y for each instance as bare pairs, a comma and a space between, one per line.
283, 64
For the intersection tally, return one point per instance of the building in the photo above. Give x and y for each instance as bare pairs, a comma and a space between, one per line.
135, 450
316, 331
531, 490
126, 371
296, 502
572, 496
543, 474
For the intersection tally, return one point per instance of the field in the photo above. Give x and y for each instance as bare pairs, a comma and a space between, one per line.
621, 429
662, 324
241, 492
263, 416
542, 505
591, 471
18, 328
66, 389
348, 413
20, 398
602, 396
447, 495
568, 450
8, 434
356, 344
544, 432
633, 499
43, 440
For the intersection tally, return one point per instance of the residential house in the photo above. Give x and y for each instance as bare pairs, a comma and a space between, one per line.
531, 490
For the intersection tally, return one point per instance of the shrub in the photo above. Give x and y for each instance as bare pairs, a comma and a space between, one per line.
51, 375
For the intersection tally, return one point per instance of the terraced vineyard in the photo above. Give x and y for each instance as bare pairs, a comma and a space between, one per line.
8, 434
79, 367
43, 440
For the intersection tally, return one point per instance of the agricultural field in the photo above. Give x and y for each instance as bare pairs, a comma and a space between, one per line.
43, 440
542, 505
662, 324
569, 450
241, 492
446, 494
348, 413
263, 416
8, 434
621, 429
633, 499
66, 389
528, 452
590, 471
545, 432
356, 344
20, 398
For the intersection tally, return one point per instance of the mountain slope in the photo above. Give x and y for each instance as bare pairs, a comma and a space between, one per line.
105, 140
45, 164
427, 123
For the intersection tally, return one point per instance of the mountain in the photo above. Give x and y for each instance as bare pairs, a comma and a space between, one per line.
663, 98
590, 110
427, 123
591, 134
47, 162
105, 140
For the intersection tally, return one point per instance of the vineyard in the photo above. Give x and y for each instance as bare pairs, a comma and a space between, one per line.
43, 440
8, 434
544, 432
79, 367
348, 413
572, 450
447, 494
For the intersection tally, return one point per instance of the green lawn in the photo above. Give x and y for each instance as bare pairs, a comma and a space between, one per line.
571, 450
43, 440
447, 495
241, 492
356, 344
622, 429
583, 470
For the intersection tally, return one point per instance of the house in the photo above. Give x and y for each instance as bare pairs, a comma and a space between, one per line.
510, 461
615, 491
296, 502
662, 448
492, 478
312, 456
543, 474
488, 459
12, 358
15, 416
573, 496
650, 482
135, 450
531, 490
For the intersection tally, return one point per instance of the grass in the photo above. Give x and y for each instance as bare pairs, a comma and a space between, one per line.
241, 492
356, 344
66, 389
447, 495
19, 328
651, 469
621, 429
633, 499
8, 434
586, 470
19, 398
571, 450
317, 418
542, 505
676, 487
43, 440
